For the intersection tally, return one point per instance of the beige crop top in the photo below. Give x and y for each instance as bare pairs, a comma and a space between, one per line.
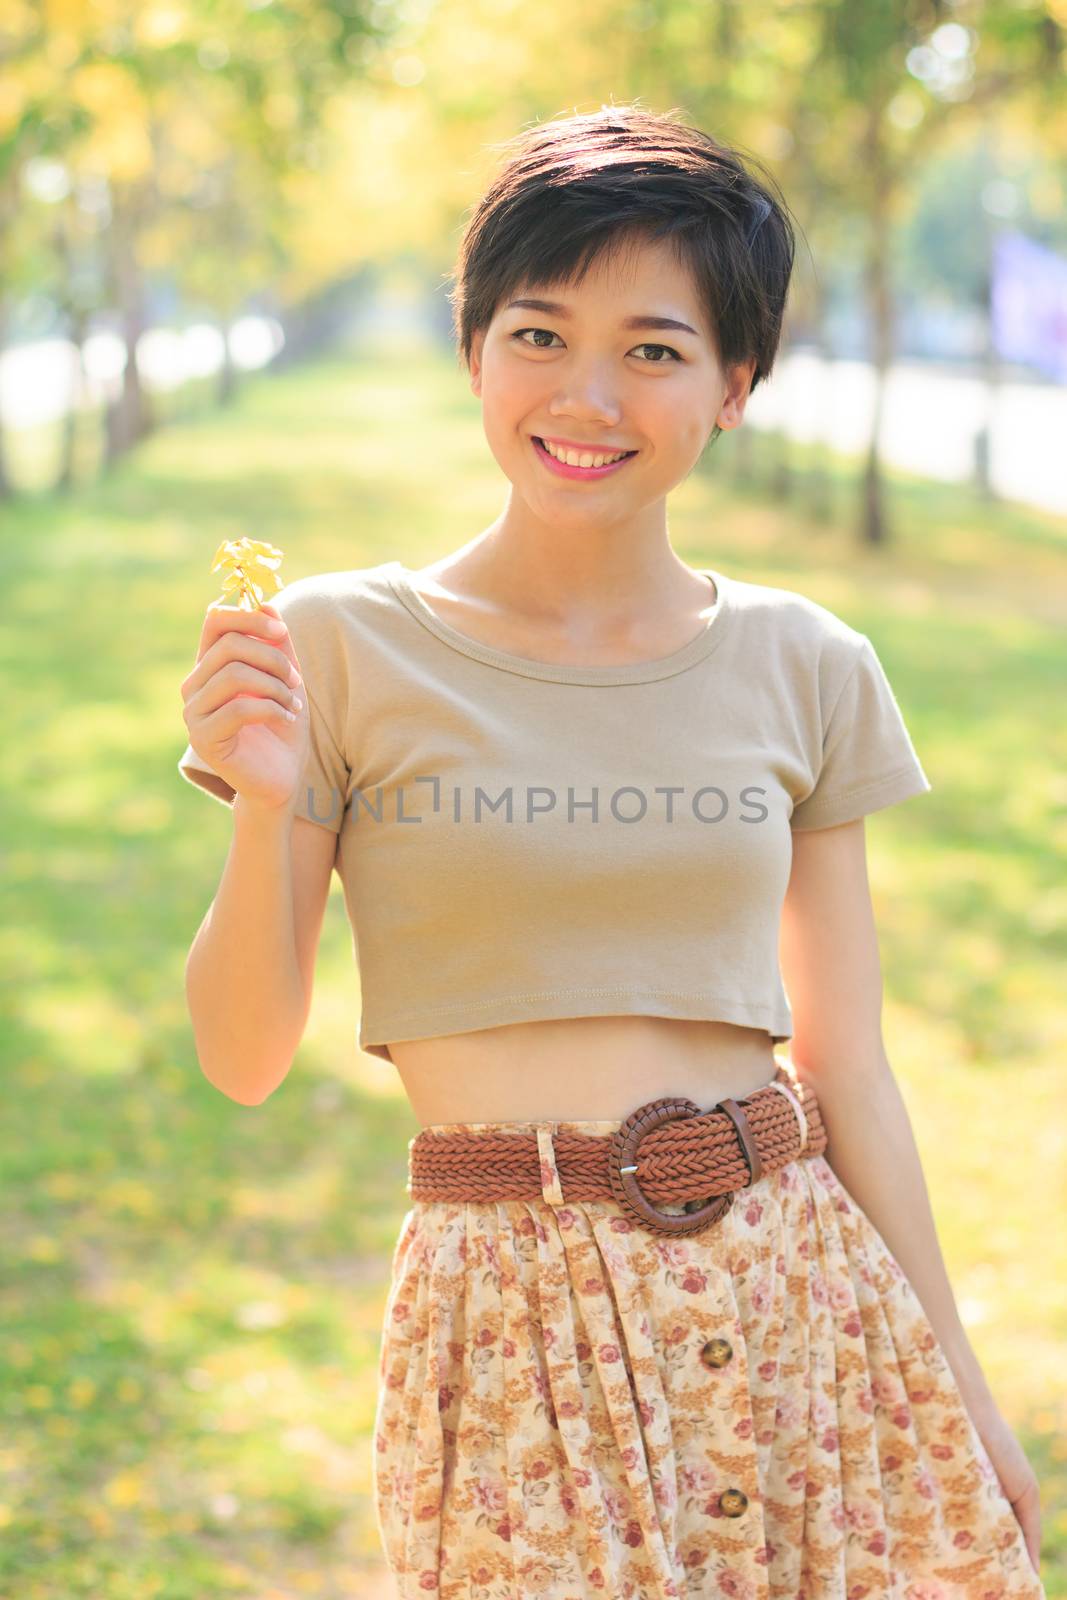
520, 840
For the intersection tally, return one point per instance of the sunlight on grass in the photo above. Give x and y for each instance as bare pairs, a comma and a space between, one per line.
85, 1026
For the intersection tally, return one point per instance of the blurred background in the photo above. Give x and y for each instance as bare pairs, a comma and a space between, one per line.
225, 229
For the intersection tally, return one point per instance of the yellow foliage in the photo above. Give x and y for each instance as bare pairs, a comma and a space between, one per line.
121, 149
280, 109
128, 1194
62, 50
13, 98
101, 87
76, 16
34, 76
82, 1392
249, 571
43, 1248
195, 141
20, 19
159, 25
118, 143
62, 1185
125, 1489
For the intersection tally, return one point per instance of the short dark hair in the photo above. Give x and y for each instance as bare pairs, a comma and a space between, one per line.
580, 186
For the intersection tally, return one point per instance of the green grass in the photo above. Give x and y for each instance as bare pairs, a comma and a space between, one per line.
192, 1290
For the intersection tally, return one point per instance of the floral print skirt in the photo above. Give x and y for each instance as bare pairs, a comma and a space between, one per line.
572, 1405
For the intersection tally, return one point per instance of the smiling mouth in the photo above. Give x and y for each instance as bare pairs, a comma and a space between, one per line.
563, 469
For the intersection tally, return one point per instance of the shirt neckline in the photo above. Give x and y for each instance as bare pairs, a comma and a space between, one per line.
399, 580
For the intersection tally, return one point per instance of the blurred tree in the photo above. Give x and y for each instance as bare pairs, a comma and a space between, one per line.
848, 99
230, 145
899, 75
190, 119
26, 80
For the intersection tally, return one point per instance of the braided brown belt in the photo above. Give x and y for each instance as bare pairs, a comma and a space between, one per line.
679, 1153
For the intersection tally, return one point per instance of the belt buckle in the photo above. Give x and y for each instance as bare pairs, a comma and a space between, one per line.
622, 1164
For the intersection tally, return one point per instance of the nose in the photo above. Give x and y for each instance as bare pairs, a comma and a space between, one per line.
587, 398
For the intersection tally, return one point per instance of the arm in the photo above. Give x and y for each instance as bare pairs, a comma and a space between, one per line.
832, 971
249, 973
831, 967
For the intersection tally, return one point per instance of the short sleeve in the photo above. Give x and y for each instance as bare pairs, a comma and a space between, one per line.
868, 760
325, 781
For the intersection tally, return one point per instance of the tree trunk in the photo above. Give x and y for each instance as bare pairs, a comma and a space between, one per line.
227, 389
819, 498
131, 416
78, 320
880, 320
983, 439
6, 490
67, 480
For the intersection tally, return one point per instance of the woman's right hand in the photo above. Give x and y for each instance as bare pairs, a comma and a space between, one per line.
240, 705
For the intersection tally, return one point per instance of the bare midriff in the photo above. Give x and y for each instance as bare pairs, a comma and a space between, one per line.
576, 1068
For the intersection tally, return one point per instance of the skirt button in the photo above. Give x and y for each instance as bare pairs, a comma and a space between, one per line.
716, 1353
732, 1502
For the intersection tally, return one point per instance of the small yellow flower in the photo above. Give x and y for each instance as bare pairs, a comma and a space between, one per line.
125, 1489
43, 1248
249, 569
81, 1392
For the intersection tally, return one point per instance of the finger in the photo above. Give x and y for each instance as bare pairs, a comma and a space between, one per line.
282, 640
237, 645
240, 712
254, 652
220, 619
240, 680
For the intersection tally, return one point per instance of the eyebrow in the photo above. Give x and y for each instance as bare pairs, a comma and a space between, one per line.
642, 320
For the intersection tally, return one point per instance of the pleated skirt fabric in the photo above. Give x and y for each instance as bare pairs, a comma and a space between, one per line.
571, 1405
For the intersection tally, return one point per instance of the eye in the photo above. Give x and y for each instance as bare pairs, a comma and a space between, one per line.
666, 347
520, 331
518, 335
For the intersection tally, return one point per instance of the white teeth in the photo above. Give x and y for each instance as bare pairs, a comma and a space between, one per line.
572, 458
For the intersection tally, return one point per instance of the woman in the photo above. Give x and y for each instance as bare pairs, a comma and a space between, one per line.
667, 1313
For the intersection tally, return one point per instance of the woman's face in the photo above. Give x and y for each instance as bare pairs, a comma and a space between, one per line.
587, 373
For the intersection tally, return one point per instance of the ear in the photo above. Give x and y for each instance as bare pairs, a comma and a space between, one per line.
738, 388
477, 341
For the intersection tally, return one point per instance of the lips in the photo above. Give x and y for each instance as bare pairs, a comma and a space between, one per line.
579, 474
581, 446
